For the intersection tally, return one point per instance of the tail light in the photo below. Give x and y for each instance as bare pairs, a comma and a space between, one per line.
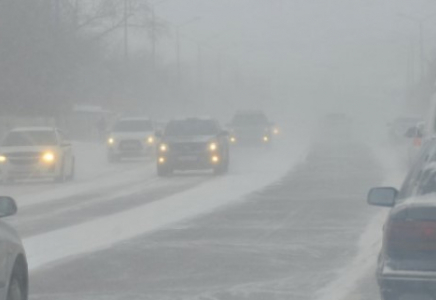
410, 238
417, 142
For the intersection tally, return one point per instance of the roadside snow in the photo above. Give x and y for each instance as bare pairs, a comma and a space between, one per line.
369, 243
214, 194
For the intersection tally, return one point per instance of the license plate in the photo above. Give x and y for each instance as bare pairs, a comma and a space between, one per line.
187, 158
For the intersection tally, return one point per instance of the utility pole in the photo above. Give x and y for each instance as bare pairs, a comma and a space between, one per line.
200, 67
126, 32
153, 38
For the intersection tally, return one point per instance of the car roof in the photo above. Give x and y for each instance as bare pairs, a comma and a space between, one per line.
36, 128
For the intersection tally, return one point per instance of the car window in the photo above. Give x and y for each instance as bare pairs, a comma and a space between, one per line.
30, 138
133, 126
191, 128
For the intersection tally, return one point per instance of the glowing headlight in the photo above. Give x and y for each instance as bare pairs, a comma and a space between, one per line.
215, 159
276, 131
265, 138
233, 139
213, 146
48, 157
163, 148
111, 141
150, 140
161, 160
2, 158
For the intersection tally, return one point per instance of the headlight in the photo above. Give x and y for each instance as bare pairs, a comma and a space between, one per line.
213, 146
111, 141
150, 140
2, 158
265, 138
48, 157
163, 147
233, 139
215, 159
276, 131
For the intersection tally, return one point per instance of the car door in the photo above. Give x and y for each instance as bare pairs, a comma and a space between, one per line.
4, 257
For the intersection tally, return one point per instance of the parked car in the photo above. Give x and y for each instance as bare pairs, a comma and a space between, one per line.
193, 144
14, 282
131, 137
407, 262
36, 152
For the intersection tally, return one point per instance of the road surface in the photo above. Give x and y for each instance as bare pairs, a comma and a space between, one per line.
282, 225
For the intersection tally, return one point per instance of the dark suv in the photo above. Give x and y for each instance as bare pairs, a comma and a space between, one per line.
192, 144
407, 262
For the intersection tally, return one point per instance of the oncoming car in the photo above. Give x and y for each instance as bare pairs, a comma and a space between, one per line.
251, 128
14, 270
193, 144
131, 137
36, 152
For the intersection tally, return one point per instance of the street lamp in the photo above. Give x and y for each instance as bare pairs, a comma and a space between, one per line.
420, 22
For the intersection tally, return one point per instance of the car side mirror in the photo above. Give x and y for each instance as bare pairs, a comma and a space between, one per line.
382, 196
8, 207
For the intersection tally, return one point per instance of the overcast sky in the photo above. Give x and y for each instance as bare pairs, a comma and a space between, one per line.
323, 54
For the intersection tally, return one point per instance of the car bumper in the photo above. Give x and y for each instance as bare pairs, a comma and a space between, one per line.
408, 281
137, 152
34, 171
190, 161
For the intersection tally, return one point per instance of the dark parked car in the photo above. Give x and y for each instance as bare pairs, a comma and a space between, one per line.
13, 272
193, 144
407, 262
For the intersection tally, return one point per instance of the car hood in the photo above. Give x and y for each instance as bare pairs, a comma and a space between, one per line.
189, 139
132, 135
6, 150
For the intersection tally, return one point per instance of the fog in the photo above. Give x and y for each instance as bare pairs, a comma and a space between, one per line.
297, 108
309, 57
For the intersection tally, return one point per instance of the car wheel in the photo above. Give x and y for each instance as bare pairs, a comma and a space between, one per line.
17, 285
73, 170
164, 171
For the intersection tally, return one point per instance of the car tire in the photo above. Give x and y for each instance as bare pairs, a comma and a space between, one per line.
73, 170
164, 171
17, 289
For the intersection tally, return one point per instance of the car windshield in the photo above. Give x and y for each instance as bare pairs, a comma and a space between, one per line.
250, 120
191, 128
30, 138
133, 126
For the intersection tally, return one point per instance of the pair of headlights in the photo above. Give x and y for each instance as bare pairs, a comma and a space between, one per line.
150, 140
212, 147
47, 157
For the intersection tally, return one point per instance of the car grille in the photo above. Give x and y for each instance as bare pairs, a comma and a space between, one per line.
188, 148
132, 145
23, 158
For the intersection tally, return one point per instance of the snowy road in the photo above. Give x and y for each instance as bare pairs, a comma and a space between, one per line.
192, 236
